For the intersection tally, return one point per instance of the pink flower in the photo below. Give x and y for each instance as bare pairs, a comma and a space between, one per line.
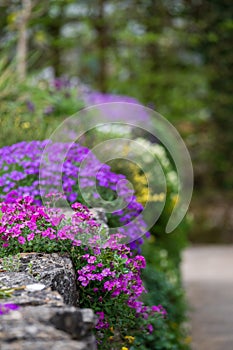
86, 256
76, 242
83, 280
30, 237
45, 233
155, 308
150, 328
100, 314
91, 259
21, 240
106, 272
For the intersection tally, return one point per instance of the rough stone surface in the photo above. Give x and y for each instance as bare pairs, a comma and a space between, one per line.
53, 270
38, 328
44, 319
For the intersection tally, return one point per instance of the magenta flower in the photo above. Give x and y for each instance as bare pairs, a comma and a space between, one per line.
24, 181
6, 308
105, 271
101, 323
30, 237
21, 240
91, 259
150, 328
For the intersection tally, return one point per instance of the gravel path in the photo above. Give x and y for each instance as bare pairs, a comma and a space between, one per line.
208, 278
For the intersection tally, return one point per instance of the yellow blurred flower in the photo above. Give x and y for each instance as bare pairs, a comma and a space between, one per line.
158, 197
26, 125
188, 339
124, 348
175, 199
129, 338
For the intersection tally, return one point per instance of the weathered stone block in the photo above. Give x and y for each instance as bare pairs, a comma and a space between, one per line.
45, 289
53, 270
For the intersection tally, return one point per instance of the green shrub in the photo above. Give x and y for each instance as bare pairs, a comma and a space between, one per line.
34, 109
163, 282
176, 241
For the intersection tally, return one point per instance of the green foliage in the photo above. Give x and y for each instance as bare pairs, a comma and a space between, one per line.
185, 48
6, 292
148, 184
162, 280
11, 263
32, 110
210, 22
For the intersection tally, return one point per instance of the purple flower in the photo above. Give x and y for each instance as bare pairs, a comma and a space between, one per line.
48, 110
61, 83
101, 323
21, 240
83, 280
5, 308
150, 328
91, 259
106, 272
30, 106
30, 237
26, 156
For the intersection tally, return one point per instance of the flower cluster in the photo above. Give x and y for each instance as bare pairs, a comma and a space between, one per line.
159, 152
110, 280
6, 308
20, 164
120, 277
45, 228
95, 97
107, 271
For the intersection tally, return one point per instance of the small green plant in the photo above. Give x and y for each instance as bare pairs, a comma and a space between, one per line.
37, 277
11, 263
40, 103
5, 292
30, 267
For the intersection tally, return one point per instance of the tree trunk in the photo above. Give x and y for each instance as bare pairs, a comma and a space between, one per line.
102, 46
22, 39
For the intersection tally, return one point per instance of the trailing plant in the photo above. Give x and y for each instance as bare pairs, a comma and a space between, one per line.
20, 166
108, 274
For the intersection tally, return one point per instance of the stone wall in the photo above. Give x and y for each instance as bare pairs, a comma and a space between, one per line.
44, 287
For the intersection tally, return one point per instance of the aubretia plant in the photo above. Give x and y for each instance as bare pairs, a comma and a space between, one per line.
24, 225
110, 283
108, 273
20, 165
